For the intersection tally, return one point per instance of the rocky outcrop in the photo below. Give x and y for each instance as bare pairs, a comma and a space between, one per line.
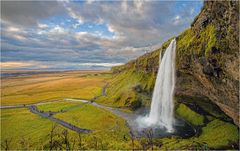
217, 72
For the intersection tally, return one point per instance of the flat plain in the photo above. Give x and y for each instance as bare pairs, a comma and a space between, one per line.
48, 86
21, 129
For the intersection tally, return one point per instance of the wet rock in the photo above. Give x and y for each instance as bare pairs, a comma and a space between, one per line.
178, 73
203, 61
211, 67
136, 104
212, 61
214, 50
204, 22
208, 70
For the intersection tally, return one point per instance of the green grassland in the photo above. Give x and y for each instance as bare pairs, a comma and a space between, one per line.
18, 125
24, 130
216, 134
110, 129
57, 106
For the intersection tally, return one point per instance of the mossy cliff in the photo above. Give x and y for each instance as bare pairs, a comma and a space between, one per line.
207, 62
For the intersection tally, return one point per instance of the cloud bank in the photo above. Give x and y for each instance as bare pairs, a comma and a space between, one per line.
88, 34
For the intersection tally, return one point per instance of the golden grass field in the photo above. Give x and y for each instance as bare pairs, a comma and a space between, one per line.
25, 130
43, 87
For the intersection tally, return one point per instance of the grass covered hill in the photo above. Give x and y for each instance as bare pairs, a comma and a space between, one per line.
207, 64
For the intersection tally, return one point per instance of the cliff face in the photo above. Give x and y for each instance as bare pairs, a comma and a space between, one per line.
212, 65
207, 57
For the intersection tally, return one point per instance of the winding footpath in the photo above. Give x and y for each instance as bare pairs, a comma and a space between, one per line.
33, 109
129, 117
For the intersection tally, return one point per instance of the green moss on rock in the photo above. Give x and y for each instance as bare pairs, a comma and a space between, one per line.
189, 115
218, 134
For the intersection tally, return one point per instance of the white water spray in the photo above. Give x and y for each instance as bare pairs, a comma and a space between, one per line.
162, 106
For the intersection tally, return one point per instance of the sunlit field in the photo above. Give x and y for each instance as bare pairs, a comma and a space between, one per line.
45, 87
58, 106
22, 129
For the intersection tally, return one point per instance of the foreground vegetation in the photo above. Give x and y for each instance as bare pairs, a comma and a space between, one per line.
109, 128
23, 130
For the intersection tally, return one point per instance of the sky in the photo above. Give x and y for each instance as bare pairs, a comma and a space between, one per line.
79, 35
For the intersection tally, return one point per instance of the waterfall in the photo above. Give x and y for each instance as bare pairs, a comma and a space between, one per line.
162, 106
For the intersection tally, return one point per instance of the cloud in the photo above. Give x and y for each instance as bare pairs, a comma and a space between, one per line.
100, 64
28, 13
54, 65
134, 23
15, 64
42, 26
177, 20
77, 33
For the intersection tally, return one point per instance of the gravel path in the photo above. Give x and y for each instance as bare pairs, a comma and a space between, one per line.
129, 117
35, 110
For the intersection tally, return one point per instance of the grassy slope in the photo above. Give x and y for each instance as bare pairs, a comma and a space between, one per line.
136, 73
120, 91
29, 89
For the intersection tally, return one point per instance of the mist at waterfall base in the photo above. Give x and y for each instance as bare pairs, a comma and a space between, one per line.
160, 118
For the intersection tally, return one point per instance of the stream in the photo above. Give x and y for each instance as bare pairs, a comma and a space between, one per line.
181, 127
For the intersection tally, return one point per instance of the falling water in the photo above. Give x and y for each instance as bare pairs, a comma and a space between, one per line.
161, 113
